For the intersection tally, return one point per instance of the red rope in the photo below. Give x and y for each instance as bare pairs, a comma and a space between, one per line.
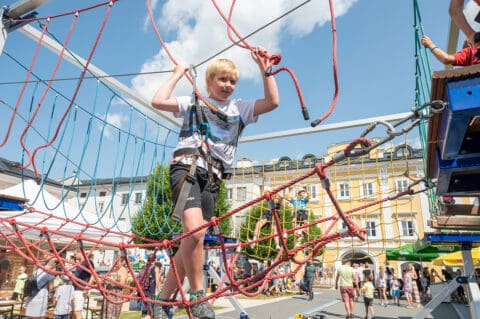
74, 12
274, 59
335, 73
47, 89
27, 79
72, 100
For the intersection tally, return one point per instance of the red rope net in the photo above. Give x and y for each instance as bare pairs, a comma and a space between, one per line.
36, 236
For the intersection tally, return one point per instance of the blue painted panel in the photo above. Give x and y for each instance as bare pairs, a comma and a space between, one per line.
456, 138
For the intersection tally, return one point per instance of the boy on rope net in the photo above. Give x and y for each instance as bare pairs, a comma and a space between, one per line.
206, 149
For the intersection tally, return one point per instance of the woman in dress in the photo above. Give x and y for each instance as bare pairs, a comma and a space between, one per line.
118, 275
382, 285
410, 285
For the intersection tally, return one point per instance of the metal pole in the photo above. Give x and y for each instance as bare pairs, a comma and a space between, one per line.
324, 128
76, 60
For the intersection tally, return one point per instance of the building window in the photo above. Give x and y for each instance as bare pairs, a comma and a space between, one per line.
312, 191
401, 185
102, 194
230, 194
241, 194
309, 160
138, 198
83, 195
343, 190
407, 228
100, 207
125, 198
367, 190
371, 228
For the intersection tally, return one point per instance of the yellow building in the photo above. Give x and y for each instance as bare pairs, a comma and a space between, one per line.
373, 180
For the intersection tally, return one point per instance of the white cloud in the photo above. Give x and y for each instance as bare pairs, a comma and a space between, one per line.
194, 31
114, 120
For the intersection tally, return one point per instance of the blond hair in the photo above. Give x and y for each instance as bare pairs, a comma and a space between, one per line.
221, 66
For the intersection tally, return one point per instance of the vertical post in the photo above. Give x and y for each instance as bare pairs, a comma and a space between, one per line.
3, 31
14, 11
473, 288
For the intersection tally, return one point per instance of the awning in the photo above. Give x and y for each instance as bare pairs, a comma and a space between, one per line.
455, 259
428, 253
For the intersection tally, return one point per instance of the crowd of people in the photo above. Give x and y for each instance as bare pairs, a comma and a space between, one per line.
64, 298
357, 280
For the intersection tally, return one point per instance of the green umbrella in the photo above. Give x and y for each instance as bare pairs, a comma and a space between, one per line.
428, 253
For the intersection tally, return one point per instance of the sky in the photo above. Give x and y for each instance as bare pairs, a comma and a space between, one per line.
375, 59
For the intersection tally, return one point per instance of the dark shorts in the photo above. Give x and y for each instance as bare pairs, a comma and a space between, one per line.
368, 301
203, 193
301, 215
267, 215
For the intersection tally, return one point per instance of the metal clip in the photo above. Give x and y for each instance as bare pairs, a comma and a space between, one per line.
192, 71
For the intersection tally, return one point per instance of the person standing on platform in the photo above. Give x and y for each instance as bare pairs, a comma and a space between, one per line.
469, 55
456, 13
300, 211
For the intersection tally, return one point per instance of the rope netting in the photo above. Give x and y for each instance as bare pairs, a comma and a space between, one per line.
78, 140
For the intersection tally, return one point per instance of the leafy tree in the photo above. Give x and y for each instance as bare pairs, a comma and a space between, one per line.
266, 249
153, 219
222, 207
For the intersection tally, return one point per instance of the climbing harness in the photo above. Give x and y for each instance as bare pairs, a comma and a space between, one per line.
198, 157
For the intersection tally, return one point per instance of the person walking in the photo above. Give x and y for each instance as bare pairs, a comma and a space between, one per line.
309, 277
345, 279
409, 285
396, 290
368, 291
382, 285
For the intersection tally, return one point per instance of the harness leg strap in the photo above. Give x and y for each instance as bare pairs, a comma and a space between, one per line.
185, 191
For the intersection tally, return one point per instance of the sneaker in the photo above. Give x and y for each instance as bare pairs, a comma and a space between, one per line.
162, 312
201, 310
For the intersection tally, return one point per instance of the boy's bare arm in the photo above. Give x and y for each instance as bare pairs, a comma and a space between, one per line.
271, 98
163, 100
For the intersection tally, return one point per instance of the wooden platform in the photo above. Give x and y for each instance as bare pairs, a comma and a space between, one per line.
456, 216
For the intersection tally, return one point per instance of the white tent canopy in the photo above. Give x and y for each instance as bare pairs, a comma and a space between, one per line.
68, 220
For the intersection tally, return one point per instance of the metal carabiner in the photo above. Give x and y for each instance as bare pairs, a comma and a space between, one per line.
192, 71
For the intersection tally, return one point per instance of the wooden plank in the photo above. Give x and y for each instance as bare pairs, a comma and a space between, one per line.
456, 222
457, 209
